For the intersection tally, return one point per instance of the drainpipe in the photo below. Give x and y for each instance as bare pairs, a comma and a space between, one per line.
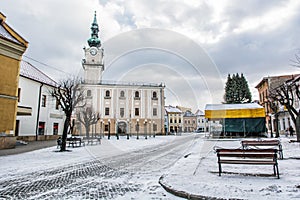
38, 113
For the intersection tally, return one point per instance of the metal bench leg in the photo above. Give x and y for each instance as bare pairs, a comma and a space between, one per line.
220, 169
277, 171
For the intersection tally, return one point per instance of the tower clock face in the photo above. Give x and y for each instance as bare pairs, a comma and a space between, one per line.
93, 51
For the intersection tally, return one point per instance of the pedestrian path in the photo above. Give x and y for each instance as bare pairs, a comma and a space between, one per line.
31, 146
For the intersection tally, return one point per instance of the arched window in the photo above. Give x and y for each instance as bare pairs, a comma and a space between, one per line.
122, 94
154, 95
89, 93
137, 94
107, 93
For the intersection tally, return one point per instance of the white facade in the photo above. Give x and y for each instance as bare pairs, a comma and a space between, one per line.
121, 106
37, 116
202, 122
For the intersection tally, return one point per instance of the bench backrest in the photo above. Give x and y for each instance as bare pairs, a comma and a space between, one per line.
261, 142
248, 153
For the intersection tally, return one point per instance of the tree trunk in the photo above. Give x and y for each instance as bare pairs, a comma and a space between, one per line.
65, 134
298, 127
87, 131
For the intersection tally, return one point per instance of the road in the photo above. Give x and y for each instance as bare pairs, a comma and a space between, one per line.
129, 175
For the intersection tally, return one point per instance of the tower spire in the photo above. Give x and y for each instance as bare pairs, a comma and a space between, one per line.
94, 41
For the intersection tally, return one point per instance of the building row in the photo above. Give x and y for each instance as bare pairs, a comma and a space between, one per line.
278, 119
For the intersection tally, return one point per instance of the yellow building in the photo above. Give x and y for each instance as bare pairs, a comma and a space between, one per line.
12, 47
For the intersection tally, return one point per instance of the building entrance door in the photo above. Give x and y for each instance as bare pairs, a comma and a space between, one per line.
122, 127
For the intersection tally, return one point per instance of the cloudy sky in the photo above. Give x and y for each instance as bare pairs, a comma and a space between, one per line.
190, 45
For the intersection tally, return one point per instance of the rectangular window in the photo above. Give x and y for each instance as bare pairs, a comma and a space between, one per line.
56, 104
154, 111
43, 100
106, 111
19, 94
55, 128
122, 112
41, 128
136, 111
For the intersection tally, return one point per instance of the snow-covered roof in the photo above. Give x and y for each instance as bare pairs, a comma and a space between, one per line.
171, 109
188, 114
29, 71
5, 34
199, 112
232, 106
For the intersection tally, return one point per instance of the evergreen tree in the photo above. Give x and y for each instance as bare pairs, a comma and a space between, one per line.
228, 97
237, 90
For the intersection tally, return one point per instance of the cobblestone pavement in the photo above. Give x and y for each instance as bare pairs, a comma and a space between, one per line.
100, 179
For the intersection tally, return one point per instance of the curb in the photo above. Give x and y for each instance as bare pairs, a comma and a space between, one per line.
184, 194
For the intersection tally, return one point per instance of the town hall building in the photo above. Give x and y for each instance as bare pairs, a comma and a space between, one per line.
124, 108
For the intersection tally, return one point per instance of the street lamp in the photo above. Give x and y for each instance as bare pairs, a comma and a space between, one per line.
101, 122
150, 128
145, 128
117, 132
108, 129
137, 129
154, 128
128, 128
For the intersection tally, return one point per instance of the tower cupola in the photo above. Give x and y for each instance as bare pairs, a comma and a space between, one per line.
94, 41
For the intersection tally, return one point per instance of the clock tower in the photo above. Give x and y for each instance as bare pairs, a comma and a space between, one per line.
92, 62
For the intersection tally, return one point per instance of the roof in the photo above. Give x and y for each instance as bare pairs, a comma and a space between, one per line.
189, 114
8, 33
223, 111
29, 71
282, 78
232, 106
171, 109
5, 34
199, 112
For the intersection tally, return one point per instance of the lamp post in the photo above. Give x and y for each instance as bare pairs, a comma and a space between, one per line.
128, 128
108, 129
154, 128
101, 121
150, 128
117, 128
137, 129
145, 128
276, 117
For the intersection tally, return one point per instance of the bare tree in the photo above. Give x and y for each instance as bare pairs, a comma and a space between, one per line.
87, 117
286, 94
69, 95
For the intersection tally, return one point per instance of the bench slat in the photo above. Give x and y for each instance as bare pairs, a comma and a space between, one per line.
247, 155
253, 162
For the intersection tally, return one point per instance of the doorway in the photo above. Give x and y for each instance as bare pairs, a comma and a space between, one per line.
121, 127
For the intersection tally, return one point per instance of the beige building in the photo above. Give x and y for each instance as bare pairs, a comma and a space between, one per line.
175, 119
189, 121
124, 108
264, 87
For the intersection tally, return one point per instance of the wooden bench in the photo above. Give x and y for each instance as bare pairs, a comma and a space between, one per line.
263, 143
248, 156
